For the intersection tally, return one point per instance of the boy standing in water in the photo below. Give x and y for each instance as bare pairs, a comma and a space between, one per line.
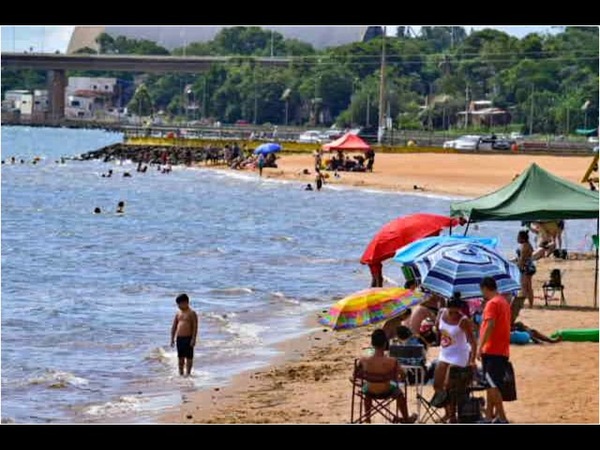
184, 330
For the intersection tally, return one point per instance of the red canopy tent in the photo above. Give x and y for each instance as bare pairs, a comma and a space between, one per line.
348, 142
401, 231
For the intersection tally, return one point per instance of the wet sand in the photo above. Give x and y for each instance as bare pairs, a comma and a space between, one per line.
556, 383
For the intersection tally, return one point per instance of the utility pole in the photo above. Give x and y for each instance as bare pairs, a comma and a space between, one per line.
204, 100
255, 97
368, 110
382, 92
271, 43
531, 110
466, 106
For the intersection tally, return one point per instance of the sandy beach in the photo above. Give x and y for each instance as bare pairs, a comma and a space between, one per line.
445, 173
309, 382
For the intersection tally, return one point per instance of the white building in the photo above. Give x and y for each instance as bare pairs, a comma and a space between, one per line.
41, 102
89, 97
93, 84
21, 100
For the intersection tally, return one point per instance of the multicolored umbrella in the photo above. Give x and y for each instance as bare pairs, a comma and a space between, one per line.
370, 306
457, 267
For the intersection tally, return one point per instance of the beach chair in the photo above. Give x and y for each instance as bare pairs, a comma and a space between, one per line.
552, 286
384, 405
430, 412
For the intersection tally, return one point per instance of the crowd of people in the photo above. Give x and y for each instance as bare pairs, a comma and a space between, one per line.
343, 163
474, 343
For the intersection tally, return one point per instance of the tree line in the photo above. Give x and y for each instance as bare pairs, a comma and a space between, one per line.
548, 82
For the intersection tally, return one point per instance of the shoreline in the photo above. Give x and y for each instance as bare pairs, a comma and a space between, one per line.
452, 175
308, 381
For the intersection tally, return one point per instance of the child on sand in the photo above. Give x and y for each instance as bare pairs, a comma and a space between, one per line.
184, 332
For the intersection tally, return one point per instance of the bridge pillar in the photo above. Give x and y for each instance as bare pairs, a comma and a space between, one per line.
57, 83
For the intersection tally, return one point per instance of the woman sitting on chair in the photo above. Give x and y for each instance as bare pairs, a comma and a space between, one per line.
457, 350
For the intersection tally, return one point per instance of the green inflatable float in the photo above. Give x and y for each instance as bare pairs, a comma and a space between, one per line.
578, 335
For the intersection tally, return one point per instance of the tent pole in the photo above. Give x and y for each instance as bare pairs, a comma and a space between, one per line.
468, 223
596, 271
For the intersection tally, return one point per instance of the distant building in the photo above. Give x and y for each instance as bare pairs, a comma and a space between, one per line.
172, 37
41, 103
96, 97
482, 113
19, 99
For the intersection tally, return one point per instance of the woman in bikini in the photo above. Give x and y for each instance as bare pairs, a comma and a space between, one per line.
526, 266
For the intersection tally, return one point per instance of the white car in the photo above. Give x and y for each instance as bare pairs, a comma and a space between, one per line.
467, 143
516, 136
449, 144
464, 143
311, 137
593, 139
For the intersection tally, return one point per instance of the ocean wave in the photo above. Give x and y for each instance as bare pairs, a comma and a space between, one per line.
124, 405
246, 334
57, 379
321, 260
231, 291
280, 296
219, 317
282, 238
205, 252
347, 187
162, 355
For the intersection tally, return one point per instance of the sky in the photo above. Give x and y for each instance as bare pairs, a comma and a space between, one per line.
48, 39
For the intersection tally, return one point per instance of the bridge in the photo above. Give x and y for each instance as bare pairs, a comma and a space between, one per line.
57, 65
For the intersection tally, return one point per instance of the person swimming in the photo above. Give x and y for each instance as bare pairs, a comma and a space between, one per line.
126, 175
308, 187
97, 210
121, 207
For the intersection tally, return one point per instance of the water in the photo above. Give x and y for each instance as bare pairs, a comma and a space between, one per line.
88, 300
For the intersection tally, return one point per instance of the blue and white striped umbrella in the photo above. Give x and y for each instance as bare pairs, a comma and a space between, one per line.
460, 267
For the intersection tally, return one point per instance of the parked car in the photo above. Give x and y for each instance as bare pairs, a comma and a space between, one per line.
467, 142
593, 139
516, 136
311, 137
331, 134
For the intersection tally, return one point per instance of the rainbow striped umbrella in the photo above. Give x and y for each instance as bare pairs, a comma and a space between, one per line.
369, 306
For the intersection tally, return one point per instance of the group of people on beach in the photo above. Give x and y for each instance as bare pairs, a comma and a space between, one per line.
465, 333
447, 323
344, 163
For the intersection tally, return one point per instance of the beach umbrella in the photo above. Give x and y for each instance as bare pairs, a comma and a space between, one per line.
458, 267
265, 149
370, 306
414, 250
401, 231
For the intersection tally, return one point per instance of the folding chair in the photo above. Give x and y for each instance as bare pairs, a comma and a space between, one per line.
430, 412
385, 404
553, 285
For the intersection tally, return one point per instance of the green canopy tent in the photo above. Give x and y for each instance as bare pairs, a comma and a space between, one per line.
534, 195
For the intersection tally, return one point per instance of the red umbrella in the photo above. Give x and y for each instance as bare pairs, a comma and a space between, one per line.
401, 231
